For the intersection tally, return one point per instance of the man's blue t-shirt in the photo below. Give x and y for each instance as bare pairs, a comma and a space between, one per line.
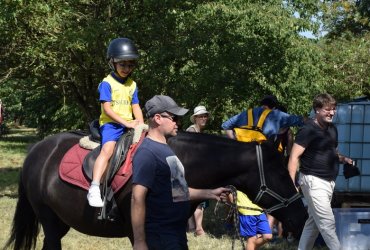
156, 167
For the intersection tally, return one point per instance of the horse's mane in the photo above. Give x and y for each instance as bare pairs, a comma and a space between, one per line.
217, 140
209, 139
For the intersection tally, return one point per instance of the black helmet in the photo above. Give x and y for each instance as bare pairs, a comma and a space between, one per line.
122, 49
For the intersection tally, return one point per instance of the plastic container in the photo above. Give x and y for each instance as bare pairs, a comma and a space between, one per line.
353, 122
353, 228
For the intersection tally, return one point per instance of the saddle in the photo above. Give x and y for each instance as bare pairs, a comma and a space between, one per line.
77, 164
118, 157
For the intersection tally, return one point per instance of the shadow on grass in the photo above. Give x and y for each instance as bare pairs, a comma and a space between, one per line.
215, 224
14, 146
17, 147
9, 178
20, 138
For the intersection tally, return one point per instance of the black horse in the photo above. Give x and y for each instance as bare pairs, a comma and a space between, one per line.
209, 161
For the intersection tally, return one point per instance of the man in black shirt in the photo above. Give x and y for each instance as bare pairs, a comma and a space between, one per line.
315, 151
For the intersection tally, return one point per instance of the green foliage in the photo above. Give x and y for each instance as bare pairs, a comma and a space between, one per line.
348, 64
346, 18
225, 54
240, 51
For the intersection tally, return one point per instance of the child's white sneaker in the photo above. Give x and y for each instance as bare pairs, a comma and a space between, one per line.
94, 197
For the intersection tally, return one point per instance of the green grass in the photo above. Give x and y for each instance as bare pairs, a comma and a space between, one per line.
14, 145
76, 240
13, 149
73, 240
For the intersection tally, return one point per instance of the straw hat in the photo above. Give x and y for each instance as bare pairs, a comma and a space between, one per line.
200, 110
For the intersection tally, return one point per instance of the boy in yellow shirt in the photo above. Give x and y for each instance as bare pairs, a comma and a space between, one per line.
119, 103
253, 222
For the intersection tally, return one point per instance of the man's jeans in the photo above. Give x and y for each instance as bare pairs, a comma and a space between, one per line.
318, 194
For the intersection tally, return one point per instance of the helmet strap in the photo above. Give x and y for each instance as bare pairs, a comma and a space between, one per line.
111, 64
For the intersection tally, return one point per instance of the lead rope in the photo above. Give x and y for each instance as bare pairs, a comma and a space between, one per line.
232, 213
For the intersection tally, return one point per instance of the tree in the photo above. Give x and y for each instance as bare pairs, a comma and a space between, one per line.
346, 48
239, 51
343, 18
225, 54
348, 65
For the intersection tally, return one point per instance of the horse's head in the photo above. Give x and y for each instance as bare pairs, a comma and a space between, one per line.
213, 161
276, 192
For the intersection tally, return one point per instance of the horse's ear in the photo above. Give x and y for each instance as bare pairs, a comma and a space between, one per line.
274, 144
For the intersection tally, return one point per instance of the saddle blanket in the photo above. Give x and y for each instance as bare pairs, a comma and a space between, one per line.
70, 168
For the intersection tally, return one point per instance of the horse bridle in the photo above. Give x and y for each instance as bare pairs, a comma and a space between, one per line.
233, 212
264, 189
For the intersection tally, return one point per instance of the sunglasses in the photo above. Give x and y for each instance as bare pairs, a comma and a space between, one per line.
173, 118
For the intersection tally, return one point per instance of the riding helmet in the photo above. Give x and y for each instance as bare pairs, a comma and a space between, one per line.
121, 49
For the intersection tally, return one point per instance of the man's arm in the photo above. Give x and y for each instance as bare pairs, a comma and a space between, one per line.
288, 120
138, 211
230, 134
206, 194
344, 159
295, 154
234, 122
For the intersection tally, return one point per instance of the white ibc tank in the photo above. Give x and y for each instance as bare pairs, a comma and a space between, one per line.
353, 122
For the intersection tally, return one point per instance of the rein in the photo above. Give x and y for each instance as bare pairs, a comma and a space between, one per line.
264, 189
232, 214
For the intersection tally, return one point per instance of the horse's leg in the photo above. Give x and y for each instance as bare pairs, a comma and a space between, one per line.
54, 229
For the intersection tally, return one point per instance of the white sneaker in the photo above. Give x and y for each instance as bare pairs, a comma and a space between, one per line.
94, 197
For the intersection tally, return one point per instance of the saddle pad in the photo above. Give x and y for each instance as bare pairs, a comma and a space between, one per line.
70, 168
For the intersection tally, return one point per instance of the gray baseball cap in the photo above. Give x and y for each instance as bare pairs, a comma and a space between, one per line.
162, 103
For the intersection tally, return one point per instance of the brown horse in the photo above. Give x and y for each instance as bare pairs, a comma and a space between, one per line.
209, 161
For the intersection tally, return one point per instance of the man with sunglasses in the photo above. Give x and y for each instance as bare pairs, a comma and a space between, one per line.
160, 195
119, 106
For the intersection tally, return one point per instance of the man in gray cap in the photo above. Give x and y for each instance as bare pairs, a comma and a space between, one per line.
160, 195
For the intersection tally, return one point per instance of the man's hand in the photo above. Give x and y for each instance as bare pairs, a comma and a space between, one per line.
220, 193
344, 159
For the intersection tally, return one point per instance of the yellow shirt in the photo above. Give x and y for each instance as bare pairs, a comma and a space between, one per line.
243, 201
121, 99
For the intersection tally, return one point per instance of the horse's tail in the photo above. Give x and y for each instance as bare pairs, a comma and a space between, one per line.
25, 226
